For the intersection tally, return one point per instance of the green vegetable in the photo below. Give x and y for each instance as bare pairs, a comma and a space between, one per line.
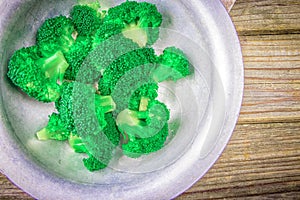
93, 164
146, 130
55, 129
112, 134
122, 65
103, 75
173, 65
86, 18
140, 98
35, 75
77, 55
140, 21
55, 35
91, 103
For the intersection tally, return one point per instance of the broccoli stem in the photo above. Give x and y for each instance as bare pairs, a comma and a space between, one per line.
131, 117
136, 34
55, 66
143, 124
77, 144
144, 103
44, 134
106, 102
47, 134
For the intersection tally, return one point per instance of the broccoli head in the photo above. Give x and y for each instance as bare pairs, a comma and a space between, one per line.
144, 131
112, 134
140, 98
123, 64
140, 21
79, 104
107, 30
37, 76
76, 56
172, 65
86, 18
93, 164
54, 35
55, 129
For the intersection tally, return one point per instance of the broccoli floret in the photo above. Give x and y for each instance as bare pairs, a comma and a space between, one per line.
86, 18
143, 124
55, 129
136, 147
101, 56
140, 98
76, 56
37, 76
111, 130
113, 135
122, 65
172, 65
146, 131
64, 106
140, 21
107, 30
93, 164
87, 102
54, 35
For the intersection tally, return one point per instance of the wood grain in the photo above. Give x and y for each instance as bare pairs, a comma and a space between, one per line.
254, 167
262, 159
266, 17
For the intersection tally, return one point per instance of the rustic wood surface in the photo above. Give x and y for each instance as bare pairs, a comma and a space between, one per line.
262, 159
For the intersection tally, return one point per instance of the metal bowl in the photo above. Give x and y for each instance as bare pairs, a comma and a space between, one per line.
207, 106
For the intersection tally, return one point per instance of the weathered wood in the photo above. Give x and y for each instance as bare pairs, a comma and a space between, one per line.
265, 17
261, 160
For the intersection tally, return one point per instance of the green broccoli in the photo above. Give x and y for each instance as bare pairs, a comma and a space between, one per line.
55, 129
146, 131
140, 98
91, 103
106, 31
93, 164
86, 18
172, 65
140, 21
113, 135
35, 75
122, 65
77, 144
99, 69
101, 56
55, 34
76, 56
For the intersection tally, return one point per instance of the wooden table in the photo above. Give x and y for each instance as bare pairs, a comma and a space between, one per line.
262, 159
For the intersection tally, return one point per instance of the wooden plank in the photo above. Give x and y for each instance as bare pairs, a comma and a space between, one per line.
270, 102
253, 17
9, 191
272, 78
271, 59
267, 161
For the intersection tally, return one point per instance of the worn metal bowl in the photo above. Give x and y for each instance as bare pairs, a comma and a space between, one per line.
206, 105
